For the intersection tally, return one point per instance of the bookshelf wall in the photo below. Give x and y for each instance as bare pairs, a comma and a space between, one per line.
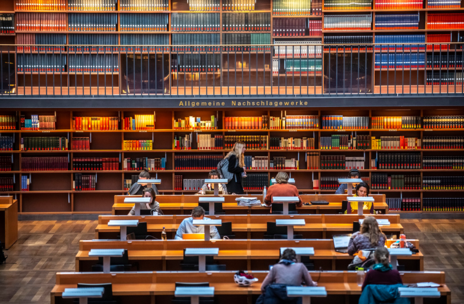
51, 191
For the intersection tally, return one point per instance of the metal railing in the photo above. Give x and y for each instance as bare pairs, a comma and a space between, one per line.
232, 70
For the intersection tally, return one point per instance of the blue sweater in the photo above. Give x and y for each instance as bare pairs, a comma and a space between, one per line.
376, 294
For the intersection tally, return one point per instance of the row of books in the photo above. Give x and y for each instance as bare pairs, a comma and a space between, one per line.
443, 162
194, 42
349, 39
296, 27
443, 122
444, 3
196, 162
251, 42
246, 22
312, 160
252, 142
445, 20
51, 42
203, 5
342, 162
144, 5
398, 161
84, 182
25, 183
297, 7
348, 22
95, 123
400, 61
246, 123
196, 123
292, 143
7, 24
255, 181
94, 42
443, 182
345, 142
137, 145
443, 204
93, 22
128, 182
384, 181
398, 4
397, 22
139, 122
296, 49
444, 78
40, 5
5, 163
6, 184
440, 41
444, 60
238, 5
282, 163
329, 182
340, 122
256, 162
6, 143
400, 42
150, 42
199, 141
93, 5
191, 184
443, 142
41, 63
7, 122
140, 163
80, 143
294, 122
196, 63
395, 143
93, 63
38, 122
404, 204
47, 163
297, 66
94, 163
41, 22
44, 143
395, 122
347, 5
182, 22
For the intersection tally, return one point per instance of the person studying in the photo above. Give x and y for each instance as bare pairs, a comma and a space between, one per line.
281, 188
209, 188
354, 174
187, 227
153, 206
362, 190
137, 189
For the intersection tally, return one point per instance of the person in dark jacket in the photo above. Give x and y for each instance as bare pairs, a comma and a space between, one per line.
354, 173
153, 205
369, 237
237, 167
286, 273
137, 189
382, 273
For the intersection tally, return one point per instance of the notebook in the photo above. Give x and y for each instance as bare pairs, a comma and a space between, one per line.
341, 242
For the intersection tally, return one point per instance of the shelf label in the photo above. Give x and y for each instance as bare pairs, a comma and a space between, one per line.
392, 130
45, 131
142, 131
79, 131
292, 130
198, 130
230, 130
428, 130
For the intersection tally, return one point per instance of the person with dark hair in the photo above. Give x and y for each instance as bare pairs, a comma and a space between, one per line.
198, 213
285, 273
153, 205
361, 190
213, 174
368, 237
354, 173
137, 189
281, 188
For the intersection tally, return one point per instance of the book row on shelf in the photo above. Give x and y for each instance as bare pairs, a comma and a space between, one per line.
49, 42
47, 163
401, 4
46, 143
147, 5
397, 22
296, 8
255, 181
199, 141
184, 22
151, 42
444, 78
443, 142
297, 66
42, 63
7, 24
140, 163
6, 184
95, 123
203, 5
443, 204
445, 20
188, 184
40, 5
196, 162
92, 5
396, 122
338, 122
93, 22
6, 143
341, 162
246, 22
348, 39
186, 40
137, 145
384, 181
41, 22
395, 143
5, 163
296, 27
398, 161
283, 163
238, 5
445, 60
297, 49
95, 163
279, 143
443, 182
443, 162
84, 182
345, 142
92, 63
197, 63
404, 204
347, 5
80, 143
196, 123
7, 122
401, 61
153, 22
139, 122
258, 42
259, 163
351, 22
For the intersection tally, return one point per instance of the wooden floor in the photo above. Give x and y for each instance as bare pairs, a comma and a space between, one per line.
46, 247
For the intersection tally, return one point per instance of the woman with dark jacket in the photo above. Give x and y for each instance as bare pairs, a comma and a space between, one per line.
237, 167
369, 237
285, 273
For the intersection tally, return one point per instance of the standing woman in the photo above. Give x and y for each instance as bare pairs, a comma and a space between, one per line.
236, 167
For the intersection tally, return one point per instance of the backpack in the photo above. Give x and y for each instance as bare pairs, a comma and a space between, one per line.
223, 169
366, 264
3, 257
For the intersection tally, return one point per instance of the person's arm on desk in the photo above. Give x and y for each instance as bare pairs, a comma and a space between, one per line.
268, 198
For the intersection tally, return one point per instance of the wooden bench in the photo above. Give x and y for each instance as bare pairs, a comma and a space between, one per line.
158, 287
253, 226
183, 204
235, 254
8, 221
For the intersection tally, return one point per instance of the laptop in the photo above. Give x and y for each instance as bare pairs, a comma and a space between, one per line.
341, 242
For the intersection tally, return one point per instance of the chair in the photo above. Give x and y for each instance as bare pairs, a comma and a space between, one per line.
117, 263
140, 231
107, 297
217, 208
146, 212
187, 300
190, 263
278, 232
344, 207
306, 260
278, 208
226, 230
356, 227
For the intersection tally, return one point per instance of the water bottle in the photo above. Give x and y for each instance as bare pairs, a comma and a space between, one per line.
264, 192
163, 234
360, 276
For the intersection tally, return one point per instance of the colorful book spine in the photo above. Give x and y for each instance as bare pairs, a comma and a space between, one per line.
95, 123
43, 22
395, 4
145, 22
144, 6
445, 21
397, 22
137, 145
347, 5
246, 123
354, 22
40, 5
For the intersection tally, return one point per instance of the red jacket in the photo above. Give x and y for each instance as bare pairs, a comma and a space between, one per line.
281, 190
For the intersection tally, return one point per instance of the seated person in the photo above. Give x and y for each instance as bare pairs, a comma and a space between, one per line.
381, 282
137, 189
285, 273
361, 190
354, 173
368, 237
198, 213
210, 187
281, 188
153, 205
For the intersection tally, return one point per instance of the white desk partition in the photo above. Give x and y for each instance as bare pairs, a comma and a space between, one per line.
291, 180
306, 292
381, 222
106, 254
202, 253
149, 182
216, 183
137, 201
83, 294
123, 224
395, 253
212, 200
285, 200
290, 223
349, 183
300, 251
360, 200
207, 224
194, 293
418, 293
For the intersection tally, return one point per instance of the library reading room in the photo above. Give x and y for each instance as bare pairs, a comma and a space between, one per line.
220, 151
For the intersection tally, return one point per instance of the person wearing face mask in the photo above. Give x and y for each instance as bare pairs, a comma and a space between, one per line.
153, 205
137, 189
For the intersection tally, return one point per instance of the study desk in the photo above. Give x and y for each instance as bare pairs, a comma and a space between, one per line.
253, 226
159, 287
8, 221
235, 254
183, 204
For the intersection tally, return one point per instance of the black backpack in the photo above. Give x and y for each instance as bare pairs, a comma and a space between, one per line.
3, 257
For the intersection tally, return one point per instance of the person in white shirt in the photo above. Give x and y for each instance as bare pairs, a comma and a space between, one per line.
198, 213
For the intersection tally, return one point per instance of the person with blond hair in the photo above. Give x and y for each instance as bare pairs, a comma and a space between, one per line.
281, 188
237, 168
369, 237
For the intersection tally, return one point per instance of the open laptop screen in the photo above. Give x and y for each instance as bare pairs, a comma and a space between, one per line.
341, 241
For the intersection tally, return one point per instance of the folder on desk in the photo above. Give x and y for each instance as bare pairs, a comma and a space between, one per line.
193, 236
